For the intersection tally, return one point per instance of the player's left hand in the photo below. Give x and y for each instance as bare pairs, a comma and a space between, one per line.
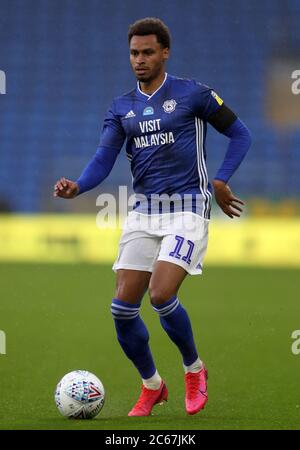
226, 200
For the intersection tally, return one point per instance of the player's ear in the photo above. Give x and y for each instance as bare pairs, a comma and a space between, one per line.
166, 53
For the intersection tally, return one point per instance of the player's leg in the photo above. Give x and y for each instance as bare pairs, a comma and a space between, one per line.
133, 337
137, 253
181, 253
131, 331
131, 285
164, 285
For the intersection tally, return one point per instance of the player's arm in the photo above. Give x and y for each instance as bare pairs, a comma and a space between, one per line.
111, 141
227, 123
239, 144
94, 173
207, 105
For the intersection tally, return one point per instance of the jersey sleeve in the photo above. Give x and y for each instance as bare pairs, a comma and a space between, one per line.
204, 101
210, 107
113, 134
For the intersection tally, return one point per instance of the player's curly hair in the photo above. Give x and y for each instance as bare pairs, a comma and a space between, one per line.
151, 25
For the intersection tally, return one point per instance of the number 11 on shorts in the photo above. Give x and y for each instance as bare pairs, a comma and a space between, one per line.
176, 252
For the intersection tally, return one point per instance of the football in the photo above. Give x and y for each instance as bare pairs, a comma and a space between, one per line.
79, 395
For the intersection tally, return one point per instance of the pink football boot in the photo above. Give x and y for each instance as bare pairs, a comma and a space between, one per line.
148, 399
196, 391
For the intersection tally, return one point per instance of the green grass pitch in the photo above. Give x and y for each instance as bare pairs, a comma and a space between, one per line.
57, 319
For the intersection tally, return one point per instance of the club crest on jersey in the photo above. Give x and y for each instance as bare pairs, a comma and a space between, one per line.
169, 106
148, 111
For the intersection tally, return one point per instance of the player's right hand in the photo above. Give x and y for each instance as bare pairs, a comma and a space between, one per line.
65, 188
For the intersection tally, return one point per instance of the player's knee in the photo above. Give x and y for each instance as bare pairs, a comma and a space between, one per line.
158, 295
121, 288
126, 293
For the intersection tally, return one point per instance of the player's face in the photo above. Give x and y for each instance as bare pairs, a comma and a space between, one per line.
147, 57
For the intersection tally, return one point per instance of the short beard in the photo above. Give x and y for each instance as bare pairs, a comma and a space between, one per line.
143, 79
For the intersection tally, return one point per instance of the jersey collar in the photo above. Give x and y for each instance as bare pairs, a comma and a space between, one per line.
146, 96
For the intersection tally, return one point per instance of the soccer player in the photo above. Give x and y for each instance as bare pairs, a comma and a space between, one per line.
164, 123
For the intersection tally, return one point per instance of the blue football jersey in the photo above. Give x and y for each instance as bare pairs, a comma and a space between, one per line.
165, 143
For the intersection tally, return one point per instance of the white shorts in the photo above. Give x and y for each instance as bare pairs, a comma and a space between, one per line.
180, 238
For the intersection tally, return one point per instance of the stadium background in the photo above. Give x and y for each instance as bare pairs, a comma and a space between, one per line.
64, 62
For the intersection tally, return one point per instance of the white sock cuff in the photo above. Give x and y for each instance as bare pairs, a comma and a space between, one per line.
195, 367
167, 308
153, 382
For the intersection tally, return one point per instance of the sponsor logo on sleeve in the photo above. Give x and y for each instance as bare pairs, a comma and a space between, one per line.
217, 98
